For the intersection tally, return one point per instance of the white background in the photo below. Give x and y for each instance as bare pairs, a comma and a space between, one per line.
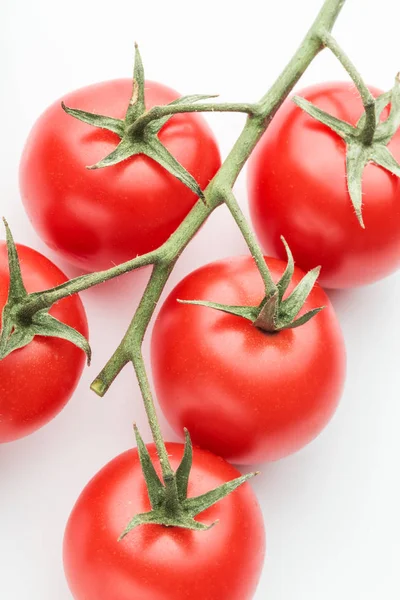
331, 511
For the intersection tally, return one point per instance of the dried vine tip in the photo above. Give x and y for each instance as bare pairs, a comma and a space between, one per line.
359, 152
275, 312
138, 137
169, 503
99, 387
19, 326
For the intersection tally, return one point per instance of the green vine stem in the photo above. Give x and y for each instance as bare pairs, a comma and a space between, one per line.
143, 315
367, 98
158, 112
251, 240
219, 191
220, 188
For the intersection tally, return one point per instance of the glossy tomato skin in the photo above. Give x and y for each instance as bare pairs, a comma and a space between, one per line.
297, 188
37, 381
155, 562
103, 217
244, 394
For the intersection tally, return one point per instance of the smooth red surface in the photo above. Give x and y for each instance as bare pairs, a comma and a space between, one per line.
297, 188
158, 563
99, 218
246, 395
38, 380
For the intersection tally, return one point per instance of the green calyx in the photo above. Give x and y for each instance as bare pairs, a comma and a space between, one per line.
170, 505
19, 325
366, 142
275, 312
138, 134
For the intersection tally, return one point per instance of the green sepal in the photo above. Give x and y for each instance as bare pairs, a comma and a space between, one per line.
158, 152
190, 508
115, 125
304, 318
137, 137
46, 325
13, 338
246, 312
154, 518
16, 334
123, 151
136, 105
275, 313
382, 157
290, 307
286, 278
17, 288
181, 512
197, 505
357, 157
19, 327
183, 471
340, 127
386, 129
360, 152
155, 488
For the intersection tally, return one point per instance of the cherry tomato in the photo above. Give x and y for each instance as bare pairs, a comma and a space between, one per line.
37, 381
154, 562
99, 218
297, 188
245, 394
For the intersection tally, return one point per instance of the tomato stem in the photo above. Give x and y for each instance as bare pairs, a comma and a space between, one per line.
133, 348
157, 112
130, 350
367, 98
47, 298
251, 240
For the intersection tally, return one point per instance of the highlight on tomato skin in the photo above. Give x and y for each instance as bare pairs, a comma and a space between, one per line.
38, 380
155, 562
245, 394
99, 218
298, 189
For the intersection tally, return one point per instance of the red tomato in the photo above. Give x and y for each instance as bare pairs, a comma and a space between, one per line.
244, 394
297, 188
37, 381
99, 218
155, 562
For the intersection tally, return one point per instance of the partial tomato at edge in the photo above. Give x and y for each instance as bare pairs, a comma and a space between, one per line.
38, 380
98, 218
244, 394
154, 562
297, 188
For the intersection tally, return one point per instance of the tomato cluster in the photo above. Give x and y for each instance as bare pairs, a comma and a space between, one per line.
246, 394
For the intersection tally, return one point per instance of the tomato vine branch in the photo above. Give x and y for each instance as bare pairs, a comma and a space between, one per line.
158, 112
220, 188
218, 192
251, 240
